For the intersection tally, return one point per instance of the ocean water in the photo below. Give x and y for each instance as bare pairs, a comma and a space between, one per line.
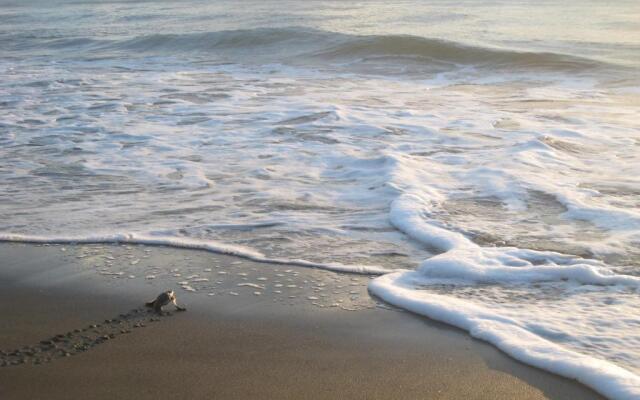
481, 157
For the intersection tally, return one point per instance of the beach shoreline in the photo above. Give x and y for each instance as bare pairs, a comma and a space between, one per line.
251, 344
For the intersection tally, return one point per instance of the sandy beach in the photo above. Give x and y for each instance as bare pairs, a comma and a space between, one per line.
241, 342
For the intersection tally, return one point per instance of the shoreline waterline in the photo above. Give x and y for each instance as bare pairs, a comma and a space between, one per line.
54, 290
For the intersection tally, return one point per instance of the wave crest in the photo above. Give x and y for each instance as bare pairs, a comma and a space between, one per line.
300, 44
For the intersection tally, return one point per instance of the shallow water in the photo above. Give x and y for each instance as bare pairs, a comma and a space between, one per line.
500, 137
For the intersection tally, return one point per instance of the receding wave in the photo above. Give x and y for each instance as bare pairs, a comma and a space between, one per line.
299, 44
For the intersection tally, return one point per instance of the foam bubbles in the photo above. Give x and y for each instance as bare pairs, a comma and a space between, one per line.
544, 308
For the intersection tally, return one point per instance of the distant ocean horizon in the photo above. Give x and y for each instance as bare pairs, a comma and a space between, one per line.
481, 158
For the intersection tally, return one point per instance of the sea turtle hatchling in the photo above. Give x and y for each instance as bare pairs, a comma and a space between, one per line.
162, 300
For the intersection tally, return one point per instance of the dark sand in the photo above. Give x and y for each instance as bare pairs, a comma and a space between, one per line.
249, 346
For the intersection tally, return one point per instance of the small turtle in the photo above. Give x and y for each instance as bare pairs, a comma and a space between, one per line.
162, 300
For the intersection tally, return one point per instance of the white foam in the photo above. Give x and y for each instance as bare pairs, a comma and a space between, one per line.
189, 243
463, 263
253, 285
508, 335
475, 264
408, 214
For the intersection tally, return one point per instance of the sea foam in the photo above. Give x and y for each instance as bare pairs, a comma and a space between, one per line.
462, 262
190, 243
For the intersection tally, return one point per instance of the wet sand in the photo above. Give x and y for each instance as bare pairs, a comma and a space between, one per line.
242, 342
